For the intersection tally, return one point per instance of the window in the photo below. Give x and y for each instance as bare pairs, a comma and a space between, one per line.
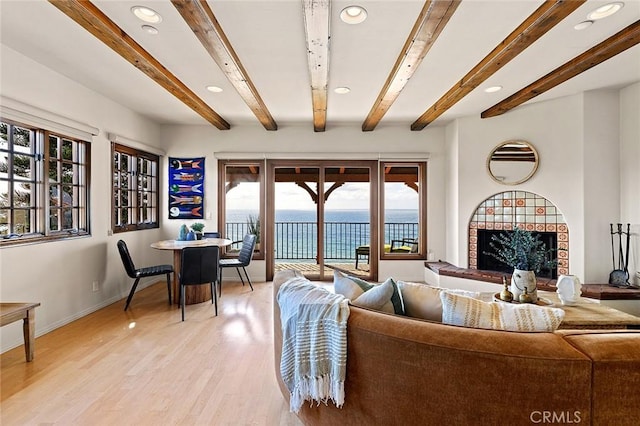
44, 184
135, 189
404, 210
241, 211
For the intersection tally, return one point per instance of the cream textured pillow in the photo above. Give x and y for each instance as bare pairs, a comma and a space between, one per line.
421, 300
468, 312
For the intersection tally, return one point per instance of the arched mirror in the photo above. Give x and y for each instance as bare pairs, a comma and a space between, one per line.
512, 162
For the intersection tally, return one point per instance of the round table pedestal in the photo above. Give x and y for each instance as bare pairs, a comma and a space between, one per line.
192, 293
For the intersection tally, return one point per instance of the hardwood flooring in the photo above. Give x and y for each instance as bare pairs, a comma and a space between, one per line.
146, 367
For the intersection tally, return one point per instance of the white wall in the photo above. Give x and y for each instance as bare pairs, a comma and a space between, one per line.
298, 140
601, 181
59, 274
580, 140
452, 196
630, 169
554, 128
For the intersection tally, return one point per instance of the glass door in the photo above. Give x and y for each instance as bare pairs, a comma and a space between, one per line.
320, 213
295, 219
347, 220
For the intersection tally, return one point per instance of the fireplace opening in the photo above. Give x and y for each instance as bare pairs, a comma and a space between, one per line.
489, 263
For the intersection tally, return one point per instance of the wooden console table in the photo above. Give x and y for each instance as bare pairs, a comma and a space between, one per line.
589, 314
11, 312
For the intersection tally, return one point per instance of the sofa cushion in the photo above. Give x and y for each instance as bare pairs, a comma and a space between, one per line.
468, 312
354, 289
423, 300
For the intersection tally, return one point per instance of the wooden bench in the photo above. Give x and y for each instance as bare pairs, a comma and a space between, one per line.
11, 312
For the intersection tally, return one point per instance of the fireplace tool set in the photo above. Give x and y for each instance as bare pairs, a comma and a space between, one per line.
619, 277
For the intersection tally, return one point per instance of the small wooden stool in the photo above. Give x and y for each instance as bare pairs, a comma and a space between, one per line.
11, 312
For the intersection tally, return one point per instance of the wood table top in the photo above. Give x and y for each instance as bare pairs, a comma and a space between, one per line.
588, 313
13, 311
179, 245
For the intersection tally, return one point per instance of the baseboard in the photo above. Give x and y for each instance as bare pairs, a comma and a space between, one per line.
7, 346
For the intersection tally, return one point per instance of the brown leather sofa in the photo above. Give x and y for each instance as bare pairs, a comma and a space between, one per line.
405, 371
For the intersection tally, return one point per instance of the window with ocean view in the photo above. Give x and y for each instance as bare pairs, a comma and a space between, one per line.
403, 226
242, 206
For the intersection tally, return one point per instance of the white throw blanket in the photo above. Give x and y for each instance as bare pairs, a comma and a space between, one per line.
314, 342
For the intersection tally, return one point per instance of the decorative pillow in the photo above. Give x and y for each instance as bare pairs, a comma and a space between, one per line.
354, 288
378, 297
349, 287
421, 300
468, 312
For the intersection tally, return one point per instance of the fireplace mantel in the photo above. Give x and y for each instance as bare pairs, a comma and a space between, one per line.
592, 291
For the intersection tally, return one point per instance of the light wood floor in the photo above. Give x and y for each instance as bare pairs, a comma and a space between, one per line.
146, 367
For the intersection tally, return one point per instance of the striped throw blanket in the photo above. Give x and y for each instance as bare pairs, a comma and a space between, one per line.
314, 342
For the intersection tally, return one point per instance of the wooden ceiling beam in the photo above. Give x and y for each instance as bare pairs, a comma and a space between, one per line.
316, 14
550, 13
200, 18
431, 21
618, 43
92, 19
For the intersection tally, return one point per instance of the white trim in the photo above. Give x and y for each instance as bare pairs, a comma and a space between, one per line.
14, 110
134, 144
381, 156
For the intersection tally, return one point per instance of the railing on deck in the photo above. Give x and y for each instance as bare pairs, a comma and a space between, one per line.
297, 240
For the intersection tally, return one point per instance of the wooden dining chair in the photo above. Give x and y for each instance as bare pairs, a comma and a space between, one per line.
149, 271
199, 266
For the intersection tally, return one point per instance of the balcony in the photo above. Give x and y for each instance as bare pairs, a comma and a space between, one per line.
296, 248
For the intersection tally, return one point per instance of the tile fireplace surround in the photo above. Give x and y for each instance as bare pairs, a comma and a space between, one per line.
525, 210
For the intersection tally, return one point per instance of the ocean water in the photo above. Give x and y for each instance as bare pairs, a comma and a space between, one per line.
296, 231
393, 216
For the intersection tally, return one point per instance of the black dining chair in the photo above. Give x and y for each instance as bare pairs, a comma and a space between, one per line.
149, 271
199, 266
242, 261
211, 234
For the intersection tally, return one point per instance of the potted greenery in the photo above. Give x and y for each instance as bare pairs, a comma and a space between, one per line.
526, 254
197, 227
253, 227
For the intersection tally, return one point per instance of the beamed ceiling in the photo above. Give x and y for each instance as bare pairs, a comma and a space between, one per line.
410, 63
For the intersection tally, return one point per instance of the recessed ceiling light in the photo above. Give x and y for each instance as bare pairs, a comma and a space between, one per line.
353, 14
342, 90
214, 89
493, 89
606, 10
582, 25
146, 14
149, 29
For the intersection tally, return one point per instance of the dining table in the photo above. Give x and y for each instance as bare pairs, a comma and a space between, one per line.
193, 293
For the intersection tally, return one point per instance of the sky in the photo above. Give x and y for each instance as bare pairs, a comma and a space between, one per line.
350, 196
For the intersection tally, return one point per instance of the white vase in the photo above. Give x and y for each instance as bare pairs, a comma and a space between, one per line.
569, 289
524, 279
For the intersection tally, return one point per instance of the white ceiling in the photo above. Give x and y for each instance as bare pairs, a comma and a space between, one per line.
268, 36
